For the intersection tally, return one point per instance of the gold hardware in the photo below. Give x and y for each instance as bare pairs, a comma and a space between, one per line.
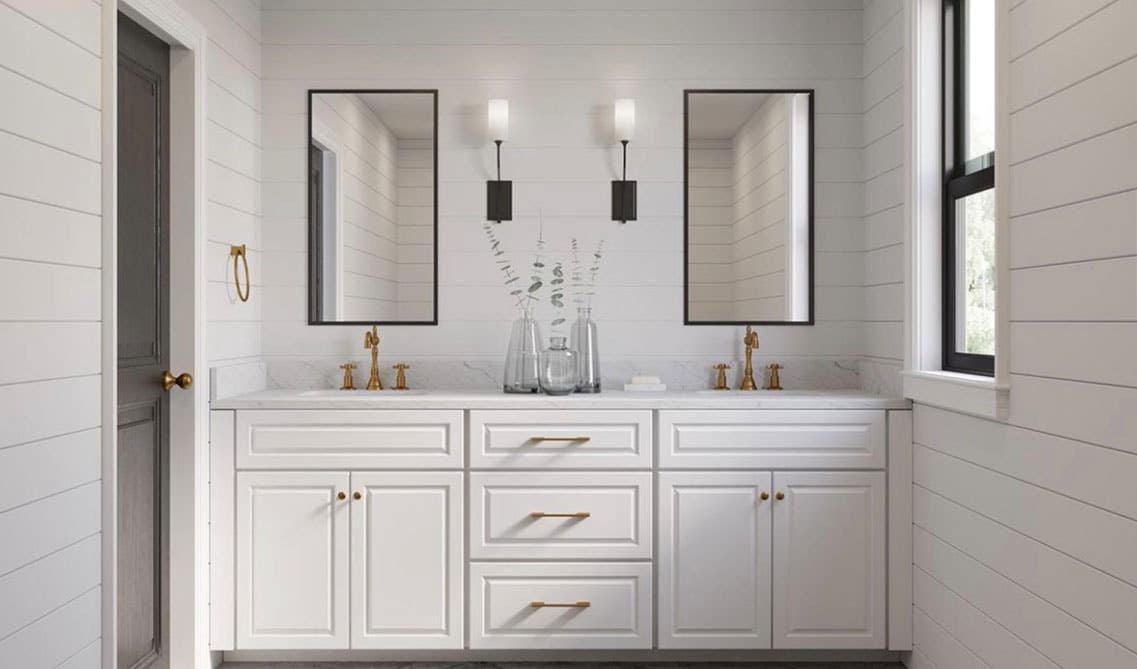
357, 495
239, 251
751, 342
763, 495
779, 495
566, 605
560, 438
182, 381
720, 379
341, 495
401, 376
348, 379
577, 514
775, 381
371, 341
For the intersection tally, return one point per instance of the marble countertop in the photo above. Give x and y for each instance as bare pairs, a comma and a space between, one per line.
434, 399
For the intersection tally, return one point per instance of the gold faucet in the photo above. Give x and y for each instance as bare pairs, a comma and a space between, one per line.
371, 341
751, 342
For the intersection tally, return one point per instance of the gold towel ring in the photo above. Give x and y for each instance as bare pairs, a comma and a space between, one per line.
239, 252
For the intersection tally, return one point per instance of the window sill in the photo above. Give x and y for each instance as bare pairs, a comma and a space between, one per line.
964, 393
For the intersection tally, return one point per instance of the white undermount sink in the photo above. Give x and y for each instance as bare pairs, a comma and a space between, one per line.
358, 394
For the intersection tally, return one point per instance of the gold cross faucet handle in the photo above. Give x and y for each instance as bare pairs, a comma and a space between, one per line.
401, 376
775, 382
720, 379
348, 379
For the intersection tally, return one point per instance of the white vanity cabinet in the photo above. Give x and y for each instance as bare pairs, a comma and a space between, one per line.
783, 559
292, 560
829, 560
492, 522
715, 533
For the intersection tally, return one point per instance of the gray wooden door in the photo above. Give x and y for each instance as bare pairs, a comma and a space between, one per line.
143, 342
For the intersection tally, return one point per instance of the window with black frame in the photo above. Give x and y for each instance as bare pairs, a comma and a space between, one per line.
969, 186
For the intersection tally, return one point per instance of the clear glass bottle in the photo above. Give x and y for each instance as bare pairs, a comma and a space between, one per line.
558, 368
523, 356
585, 344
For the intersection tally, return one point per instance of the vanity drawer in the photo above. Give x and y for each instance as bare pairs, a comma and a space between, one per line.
573, 439
349, 439
772, 439
602, 606
566, 515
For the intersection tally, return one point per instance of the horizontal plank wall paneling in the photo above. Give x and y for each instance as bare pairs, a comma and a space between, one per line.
1026, 531
561, 65
233, 174
50, 332
882, 297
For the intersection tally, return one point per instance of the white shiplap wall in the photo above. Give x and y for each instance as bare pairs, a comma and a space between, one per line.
1026, 531
561, 65
883, 174
50, 332
50, 304
232, 173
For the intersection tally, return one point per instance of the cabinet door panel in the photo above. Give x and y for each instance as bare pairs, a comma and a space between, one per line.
714, 545
829, 559
292, 560
406, 560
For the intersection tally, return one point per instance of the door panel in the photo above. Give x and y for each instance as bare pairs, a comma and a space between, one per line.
829, 535
714, 562
142, 342
407, 560
292, 560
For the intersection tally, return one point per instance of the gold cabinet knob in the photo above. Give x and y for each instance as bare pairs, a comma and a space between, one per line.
357, 495
341, 495
763, 495
182, 380
779, 495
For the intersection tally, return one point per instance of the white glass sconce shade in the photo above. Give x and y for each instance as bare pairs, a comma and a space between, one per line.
625, 119
499, 120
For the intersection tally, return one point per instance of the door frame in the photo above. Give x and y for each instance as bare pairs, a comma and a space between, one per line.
187, 623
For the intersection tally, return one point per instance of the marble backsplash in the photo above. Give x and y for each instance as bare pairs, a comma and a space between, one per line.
486, 374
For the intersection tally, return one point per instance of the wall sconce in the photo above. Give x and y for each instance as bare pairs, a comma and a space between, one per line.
499, 194
624, 191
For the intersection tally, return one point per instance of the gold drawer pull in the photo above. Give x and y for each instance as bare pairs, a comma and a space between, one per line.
555, 605
560, 438
576, 514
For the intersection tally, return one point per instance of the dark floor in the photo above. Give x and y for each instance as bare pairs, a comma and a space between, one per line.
561, 665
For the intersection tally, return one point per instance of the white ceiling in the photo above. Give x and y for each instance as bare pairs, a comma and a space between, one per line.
407, 115
720, 115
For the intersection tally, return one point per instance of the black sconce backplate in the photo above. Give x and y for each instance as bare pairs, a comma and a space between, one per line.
623, 201
499, 201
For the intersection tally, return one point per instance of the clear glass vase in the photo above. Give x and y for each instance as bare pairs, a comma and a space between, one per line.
558, 368
522, 359
585, 344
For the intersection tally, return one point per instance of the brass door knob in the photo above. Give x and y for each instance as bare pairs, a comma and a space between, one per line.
341, 495
357, 495
763, 495
779, 495
181, 380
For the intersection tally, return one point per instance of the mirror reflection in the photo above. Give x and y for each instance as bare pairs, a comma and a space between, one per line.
749, 206
372, 207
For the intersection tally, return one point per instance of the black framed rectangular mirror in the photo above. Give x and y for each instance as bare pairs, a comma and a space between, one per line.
748, 207
372, 207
